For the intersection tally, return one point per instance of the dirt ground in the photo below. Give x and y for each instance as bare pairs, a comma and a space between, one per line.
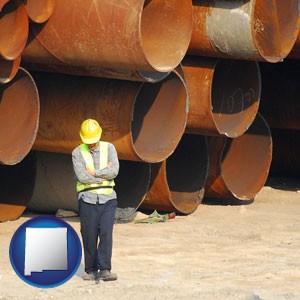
221, 251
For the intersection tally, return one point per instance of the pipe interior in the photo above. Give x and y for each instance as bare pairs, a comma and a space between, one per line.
187, 170
275, 28
132, 183
235, 96
19, 117
8, 69
14, 27
166, 32
17, 184
159, 118
246, 160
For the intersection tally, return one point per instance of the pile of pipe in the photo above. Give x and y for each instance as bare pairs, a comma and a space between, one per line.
198, 97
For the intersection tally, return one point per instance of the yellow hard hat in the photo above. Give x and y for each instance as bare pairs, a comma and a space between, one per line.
90, 131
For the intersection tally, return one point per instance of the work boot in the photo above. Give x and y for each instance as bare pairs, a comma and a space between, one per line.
106, 275
91, 276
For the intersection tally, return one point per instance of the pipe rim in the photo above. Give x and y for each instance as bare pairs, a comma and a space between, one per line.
9, 69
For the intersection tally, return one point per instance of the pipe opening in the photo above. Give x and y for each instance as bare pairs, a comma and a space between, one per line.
39, 11
275, 28
9, 69
159, 113
13, 201
19, 117
245, 161
135, 175
14, 28
235, 96
187, 170
166, 31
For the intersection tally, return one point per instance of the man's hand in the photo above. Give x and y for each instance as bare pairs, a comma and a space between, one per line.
91, 172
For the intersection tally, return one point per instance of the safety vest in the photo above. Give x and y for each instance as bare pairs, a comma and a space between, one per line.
106, 186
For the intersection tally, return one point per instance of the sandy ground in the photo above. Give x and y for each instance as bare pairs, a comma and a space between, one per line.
249, 251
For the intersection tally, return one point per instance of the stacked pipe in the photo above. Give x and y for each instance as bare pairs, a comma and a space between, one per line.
175, 85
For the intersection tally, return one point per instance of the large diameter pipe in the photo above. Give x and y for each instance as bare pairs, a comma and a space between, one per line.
129, 35
14, 26
16, 188
19, 117
9, 69
286, 160
239, 167
177, 184
224, 95
144, 121
36, 57
39, 11
2, 3
249, 30
51, 193
281, 94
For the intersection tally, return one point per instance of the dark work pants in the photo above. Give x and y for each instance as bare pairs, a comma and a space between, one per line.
97, 221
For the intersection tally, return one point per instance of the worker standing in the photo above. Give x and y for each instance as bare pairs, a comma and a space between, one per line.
96, 165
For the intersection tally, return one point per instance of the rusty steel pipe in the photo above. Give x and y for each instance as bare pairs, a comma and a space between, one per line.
14, 26
286, 160
2, 3
39, 11
177, 184
249, 30
52, 193
147, 36
144, 121
280, 94
239, 167
9, 69
19, 117
46, 62
16, 188
224, 95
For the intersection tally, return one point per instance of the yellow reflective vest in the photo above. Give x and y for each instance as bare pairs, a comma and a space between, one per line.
106, 186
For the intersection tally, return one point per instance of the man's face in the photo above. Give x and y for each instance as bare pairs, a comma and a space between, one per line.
92, 146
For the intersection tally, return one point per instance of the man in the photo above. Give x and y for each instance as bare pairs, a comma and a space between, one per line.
95, 165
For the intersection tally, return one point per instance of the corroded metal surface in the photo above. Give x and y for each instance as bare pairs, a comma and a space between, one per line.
224, 95
14, 26
239, 167
147, 36
286, 159
39, 11
144, 121
8, 69
16, 188
251, 30
44, 61
52, 193
280, 94
19, 117
177, 184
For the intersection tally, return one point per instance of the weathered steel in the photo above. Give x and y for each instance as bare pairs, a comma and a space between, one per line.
177, 184
239, 167
2, 3
8, 69
52, 193
19, 117
144, 121
280, 99
16, 188
14, 25
249, 30
147, 36
39, 11
286, 159
224, 95
44, 61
